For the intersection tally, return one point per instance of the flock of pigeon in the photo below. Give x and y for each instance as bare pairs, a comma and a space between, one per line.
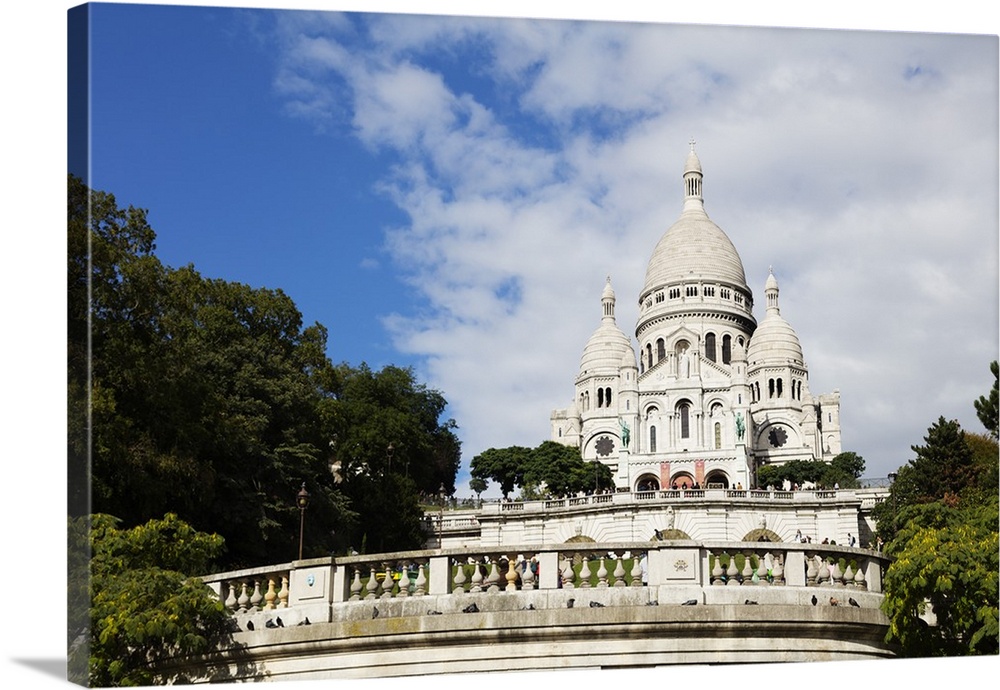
472, 608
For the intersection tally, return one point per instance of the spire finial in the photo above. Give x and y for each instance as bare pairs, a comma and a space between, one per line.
692, 142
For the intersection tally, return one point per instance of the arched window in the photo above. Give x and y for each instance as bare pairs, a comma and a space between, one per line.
685, 411
600, 398
727, 349
770, 388
649, 355
710, 346
652, 439
718, 435
607, 397
661, 350
779, 388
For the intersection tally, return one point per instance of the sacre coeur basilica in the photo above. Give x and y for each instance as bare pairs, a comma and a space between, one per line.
712, 393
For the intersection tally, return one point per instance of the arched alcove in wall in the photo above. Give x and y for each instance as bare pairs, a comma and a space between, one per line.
647, 482
761, 534
716, 479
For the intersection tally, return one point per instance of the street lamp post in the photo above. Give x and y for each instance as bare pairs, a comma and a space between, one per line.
441, 497
302, 500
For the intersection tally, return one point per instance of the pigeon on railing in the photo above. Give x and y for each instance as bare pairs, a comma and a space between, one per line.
596, 605
690, 602
374, 612
750, 602
569, 604
471, 608
814, 600
852, 602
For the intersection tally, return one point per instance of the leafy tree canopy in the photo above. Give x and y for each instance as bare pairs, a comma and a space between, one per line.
212, 400
988, 408
842, 471
551, 469
940, 525
144, 606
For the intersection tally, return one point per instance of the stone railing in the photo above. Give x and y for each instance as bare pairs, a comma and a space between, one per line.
325, 590
626, 498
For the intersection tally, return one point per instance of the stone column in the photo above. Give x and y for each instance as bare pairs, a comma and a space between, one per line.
548, 569
440, 571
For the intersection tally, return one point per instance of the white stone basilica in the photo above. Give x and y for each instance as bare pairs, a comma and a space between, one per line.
713, 394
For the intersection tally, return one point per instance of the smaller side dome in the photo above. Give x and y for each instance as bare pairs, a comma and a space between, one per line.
608, 346
774, 341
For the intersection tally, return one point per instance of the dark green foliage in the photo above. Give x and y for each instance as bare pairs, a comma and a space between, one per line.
144, 606
842, 471
551, 469
210, 399
505, 466
988, 409
940, 524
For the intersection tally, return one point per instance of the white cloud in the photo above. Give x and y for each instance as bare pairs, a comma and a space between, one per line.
536, 157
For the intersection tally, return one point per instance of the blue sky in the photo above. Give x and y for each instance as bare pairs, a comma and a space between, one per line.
450, 192
864, 171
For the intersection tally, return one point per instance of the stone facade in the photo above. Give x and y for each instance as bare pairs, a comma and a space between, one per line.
712, 394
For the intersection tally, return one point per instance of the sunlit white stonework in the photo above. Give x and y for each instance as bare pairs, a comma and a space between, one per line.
713, 394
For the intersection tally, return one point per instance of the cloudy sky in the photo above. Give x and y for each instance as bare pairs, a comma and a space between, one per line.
450, 193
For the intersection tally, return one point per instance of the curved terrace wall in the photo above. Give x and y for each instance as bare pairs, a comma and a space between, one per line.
691, 609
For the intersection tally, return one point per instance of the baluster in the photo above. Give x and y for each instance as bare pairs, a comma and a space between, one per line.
836, 575
527, 576
602, 574
420, 586
244, 600
283, 593
619, 574
459, 581
636, 573
567, 574
859, 579
585, 573
356, 586
778, 569
493, 579
387, 583
511, 576
477, 579
748, 571
256, 597
271, 595
231, 602
372, 587
812, 572
732, 572
761, 573
717, 571
404, 582
823, 573
849, 576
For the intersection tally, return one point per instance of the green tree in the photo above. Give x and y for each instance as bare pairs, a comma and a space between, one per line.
988, 409
211, 399
843, 470
945, 564
505, 466
478, 485
144, 605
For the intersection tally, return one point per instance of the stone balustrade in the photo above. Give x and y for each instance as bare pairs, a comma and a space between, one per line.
661, 572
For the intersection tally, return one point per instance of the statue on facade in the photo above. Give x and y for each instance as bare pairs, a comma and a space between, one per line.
670, 517
626, 432
740, 427
684, 365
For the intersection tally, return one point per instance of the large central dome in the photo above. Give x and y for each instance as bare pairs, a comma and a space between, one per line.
693, 248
